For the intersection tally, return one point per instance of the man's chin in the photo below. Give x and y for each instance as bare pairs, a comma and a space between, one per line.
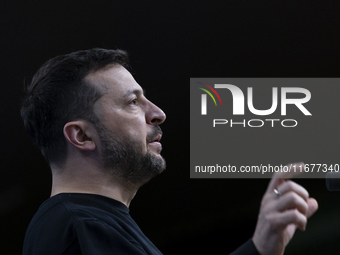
155, 148
158, 162
159, 158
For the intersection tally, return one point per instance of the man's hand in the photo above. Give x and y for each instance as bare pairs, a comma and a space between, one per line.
281, 212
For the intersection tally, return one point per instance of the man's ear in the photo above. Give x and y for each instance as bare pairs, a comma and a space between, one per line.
80, 134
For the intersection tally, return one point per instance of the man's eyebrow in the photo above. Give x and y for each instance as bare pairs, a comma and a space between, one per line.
135, 92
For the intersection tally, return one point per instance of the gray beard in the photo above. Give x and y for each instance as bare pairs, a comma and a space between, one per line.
125, 160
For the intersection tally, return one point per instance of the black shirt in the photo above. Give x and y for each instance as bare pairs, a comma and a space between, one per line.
72, 223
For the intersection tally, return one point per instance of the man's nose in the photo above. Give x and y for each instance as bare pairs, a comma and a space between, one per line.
154, 115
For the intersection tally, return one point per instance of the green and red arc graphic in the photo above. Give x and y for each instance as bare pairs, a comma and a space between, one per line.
208, 92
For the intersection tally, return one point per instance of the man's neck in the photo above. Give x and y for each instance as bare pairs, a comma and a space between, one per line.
91, 182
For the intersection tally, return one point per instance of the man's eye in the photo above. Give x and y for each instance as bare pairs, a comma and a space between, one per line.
134, 101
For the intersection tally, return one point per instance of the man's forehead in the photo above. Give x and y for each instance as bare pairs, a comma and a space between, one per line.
115, 79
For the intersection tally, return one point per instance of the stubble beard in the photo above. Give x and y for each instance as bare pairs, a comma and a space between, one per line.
125, 160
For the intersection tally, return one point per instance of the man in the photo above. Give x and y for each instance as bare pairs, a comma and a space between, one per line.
101, 137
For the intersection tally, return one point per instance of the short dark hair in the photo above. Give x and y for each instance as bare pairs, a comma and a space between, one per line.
58, 93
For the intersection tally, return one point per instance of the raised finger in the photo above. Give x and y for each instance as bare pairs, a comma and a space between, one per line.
278, 178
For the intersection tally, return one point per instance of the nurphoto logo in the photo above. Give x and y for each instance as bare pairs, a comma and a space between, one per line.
253, 127
238, 99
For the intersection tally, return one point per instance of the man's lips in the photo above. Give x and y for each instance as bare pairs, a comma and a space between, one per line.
157, 138
153, 139
155, 143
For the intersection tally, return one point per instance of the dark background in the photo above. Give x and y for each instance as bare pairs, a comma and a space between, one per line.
169, 42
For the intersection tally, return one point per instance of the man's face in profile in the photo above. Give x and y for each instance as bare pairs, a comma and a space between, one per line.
128, 126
